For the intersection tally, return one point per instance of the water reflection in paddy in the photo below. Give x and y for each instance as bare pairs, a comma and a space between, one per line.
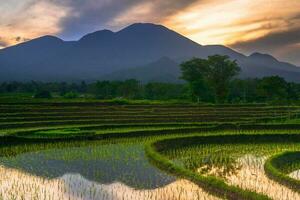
88, 170
295, 174
240, 165
251, 175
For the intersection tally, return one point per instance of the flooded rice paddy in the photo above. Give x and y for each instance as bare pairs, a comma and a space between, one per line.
240, 165
87, 171
119, 169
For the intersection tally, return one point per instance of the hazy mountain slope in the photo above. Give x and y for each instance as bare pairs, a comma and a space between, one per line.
136, 45
23, 61
167, 70
163, 70
105, 52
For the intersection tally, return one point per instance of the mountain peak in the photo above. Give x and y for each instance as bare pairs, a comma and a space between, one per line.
143, 27
97, 34
48, 38
257, 55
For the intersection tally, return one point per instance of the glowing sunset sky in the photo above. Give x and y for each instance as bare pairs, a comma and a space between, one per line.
268, 26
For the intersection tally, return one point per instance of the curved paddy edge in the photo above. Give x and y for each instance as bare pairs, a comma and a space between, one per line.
274, 172
211, 184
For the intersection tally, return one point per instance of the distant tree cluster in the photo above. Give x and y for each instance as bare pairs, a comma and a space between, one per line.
268, 89
210, 80
128, 89
214, 80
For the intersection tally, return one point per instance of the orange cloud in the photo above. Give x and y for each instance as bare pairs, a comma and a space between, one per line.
229, 21
30, 20
154, 11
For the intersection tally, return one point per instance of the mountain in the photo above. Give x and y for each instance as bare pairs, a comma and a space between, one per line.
147, 52
23, 61
162, 70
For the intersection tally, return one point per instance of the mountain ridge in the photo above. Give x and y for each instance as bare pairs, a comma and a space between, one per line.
105, 52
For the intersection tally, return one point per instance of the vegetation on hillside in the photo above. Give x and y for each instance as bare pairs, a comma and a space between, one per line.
211, 80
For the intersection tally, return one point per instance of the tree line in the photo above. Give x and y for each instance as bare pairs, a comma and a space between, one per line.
212, 80
128, 89
215, 80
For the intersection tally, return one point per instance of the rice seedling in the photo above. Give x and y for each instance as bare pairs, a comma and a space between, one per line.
89, 169
96, 150
239, 162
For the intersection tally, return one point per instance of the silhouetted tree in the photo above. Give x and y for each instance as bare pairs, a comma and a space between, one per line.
212, 74
273, 88
221, 70
163, 91
129, 88
194, 72
243, 91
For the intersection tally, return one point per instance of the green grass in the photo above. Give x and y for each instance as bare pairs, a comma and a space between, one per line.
280, 165
292, 121
58, 133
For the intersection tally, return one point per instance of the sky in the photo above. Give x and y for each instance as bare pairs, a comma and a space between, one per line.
266, 26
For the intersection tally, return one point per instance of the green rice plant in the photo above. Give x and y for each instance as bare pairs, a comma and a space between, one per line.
60, 133
190, 141
209, 183
201, 154
280, 165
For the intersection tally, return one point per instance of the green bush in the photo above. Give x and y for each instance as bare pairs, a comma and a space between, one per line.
42, 94
71, 95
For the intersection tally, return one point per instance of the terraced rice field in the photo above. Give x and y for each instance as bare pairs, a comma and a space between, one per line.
89, 151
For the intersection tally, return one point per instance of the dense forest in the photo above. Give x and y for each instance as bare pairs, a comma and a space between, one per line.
268, 89
211, 80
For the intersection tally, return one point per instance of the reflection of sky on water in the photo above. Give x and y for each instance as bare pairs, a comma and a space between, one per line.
105, 164
295, 174
251, 176
18, 185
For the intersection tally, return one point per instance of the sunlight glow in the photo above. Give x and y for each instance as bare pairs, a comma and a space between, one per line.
38, 19
230, 21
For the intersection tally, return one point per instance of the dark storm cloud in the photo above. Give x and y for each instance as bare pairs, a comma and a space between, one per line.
90, 15
285, 45
296, 16
272, 40
292, 54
